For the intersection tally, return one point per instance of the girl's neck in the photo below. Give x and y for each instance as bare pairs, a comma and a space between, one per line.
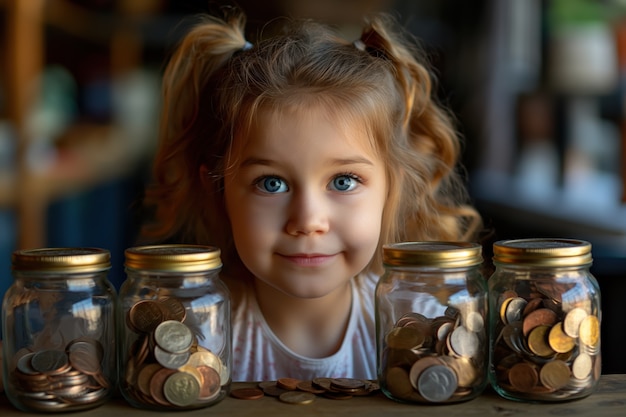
310, 327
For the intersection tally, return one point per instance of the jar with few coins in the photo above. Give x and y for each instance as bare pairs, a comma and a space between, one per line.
431, 322
58, 324
545, 320
175, 351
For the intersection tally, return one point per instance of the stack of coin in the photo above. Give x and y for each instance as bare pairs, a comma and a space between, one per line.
545, 349
295, 391
55, 379
165, 365
434, 360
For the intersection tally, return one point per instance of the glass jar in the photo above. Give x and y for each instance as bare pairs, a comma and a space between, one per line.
175, 349
58, 322
431, 322
545, 320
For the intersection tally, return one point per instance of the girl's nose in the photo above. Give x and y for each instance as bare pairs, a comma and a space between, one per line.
308, 214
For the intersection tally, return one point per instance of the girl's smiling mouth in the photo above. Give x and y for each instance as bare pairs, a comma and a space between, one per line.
308, 259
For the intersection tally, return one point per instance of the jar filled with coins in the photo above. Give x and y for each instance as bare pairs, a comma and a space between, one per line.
176, 332
431, 322
58, 323
545, 320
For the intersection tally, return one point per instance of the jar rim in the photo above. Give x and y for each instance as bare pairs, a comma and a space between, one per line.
444, 254
543, 252
62, 259
173, 258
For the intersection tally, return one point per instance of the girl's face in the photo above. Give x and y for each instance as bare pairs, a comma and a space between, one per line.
305, 200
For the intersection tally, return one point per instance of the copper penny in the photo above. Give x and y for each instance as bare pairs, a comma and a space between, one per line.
85, 361
157, 383
247, 393
173, 309
210, 382
523, 377
145, 316
145, 375
539, 317
289, 384
307, 386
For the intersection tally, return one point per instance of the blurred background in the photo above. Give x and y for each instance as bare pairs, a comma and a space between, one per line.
538, 88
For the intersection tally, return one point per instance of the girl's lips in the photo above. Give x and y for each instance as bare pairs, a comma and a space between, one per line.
308, 260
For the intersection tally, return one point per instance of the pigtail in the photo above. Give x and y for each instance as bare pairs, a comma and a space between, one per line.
189, 82
433, 203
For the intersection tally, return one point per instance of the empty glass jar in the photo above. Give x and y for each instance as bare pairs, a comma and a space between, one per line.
431, 322
175, 337
545, 320
58, 322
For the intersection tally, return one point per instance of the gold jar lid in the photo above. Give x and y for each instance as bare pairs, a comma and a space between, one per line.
61, 260
433, 254
173, 258
543, 252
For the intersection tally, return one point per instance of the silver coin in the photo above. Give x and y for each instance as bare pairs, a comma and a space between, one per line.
437, 383
514, 309
464, 342
173, 336
170, 360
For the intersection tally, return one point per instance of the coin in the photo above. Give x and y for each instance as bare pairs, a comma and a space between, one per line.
347, 384
398, 383
419, 366
437, 383
404, 338
181, 389
289, 384
582, 365
559, 341
538, 342
571, 323
523, 377
308, 386
247, 393
589, 331
170, 360
463, 342
474, 322
157, 383
50, 362
145, 315
210, 386
83, 356
539, 317
514, 309
173, 309
145, 375
554, 374
297, 397
466, 372
173, 336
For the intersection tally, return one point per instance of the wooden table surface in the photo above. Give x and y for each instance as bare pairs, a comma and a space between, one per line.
608, 400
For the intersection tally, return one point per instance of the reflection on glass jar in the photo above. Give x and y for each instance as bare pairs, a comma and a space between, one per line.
176, 339
545, 316
59, 330
431, 307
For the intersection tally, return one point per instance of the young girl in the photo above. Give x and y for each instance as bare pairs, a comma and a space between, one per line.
299, 157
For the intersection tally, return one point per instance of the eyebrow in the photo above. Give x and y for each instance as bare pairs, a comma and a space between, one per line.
357, 160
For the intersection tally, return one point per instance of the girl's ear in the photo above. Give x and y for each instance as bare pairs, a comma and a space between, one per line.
205, 176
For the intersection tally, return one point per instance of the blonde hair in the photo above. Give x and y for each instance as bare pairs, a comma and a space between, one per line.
214, 85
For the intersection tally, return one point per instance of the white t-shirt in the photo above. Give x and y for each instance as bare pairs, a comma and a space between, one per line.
258, 355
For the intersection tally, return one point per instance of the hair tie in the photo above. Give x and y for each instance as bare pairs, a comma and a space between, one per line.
246, 46
358, 44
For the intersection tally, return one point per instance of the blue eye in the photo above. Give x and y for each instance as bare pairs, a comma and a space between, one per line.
272, 185
345, 182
